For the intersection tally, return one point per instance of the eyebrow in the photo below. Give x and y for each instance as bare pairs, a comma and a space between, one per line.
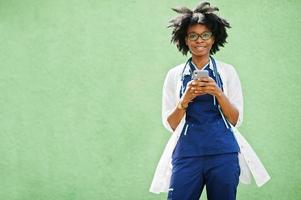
198, 33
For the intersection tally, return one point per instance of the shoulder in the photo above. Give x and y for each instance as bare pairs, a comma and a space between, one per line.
225, 67
226, 70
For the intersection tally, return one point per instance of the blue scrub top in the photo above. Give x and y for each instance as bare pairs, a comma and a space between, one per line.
204, 132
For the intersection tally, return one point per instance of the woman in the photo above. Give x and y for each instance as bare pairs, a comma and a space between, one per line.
204, 111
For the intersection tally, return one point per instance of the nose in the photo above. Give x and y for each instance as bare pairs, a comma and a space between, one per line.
199, 40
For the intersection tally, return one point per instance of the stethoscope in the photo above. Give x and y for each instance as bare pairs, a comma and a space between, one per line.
217, 78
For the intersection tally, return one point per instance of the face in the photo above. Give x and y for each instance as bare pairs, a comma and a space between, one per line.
195, 43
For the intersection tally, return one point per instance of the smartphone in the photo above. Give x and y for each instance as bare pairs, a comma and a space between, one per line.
199, 74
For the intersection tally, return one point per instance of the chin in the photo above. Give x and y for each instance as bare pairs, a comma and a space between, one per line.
199, 54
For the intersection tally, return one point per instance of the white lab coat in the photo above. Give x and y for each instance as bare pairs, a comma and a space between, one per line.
250, 164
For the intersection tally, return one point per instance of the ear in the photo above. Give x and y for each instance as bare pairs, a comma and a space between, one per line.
186, 41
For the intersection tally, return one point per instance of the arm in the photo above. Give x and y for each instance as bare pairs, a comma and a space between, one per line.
228, 109
176, 116
231, 103
179, 111
173, 109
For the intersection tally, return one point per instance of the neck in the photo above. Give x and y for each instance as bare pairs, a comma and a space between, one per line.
200, 61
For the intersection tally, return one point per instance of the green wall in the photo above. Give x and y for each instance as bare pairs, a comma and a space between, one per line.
80, 95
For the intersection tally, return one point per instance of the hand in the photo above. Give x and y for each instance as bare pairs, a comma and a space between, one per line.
207, 86
200, 87
192, 91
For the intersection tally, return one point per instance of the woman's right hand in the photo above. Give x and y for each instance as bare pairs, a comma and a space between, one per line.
193, 89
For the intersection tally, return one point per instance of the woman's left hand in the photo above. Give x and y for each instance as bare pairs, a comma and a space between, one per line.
208, 85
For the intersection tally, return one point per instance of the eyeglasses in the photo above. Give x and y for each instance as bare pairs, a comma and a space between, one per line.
194, 36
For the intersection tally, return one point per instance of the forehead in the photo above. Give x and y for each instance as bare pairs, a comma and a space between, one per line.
197, 28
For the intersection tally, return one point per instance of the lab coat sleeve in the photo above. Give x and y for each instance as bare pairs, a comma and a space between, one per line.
169, 98
235, 93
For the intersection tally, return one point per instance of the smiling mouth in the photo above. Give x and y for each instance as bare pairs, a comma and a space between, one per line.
200, 48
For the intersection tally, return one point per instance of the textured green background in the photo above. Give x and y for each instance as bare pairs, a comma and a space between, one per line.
80, 95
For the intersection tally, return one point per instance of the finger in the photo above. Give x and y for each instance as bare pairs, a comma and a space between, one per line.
209, 89
192, 96
192, 83
211, 84
192, 89
200, 84
199, 91
207, 79
195, 92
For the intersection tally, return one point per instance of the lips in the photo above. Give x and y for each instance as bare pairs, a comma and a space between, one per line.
200, 48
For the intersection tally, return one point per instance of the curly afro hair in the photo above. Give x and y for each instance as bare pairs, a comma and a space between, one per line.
202, 14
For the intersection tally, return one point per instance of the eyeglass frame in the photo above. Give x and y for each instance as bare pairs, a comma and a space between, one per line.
199, 36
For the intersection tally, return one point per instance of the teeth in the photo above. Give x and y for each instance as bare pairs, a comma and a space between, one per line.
200, 47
